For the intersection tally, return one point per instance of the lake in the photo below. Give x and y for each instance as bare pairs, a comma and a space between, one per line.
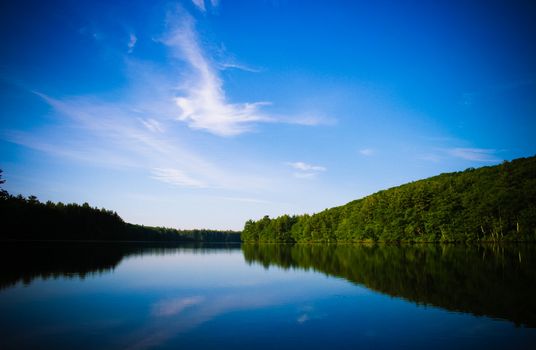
137, 296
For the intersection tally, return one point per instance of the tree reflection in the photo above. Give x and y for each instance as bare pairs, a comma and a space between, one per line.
492, 280
24, 262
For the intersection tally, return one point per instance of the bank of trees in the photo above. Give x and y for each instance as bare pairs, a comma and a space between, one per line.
149, 233
487, 204
28, 218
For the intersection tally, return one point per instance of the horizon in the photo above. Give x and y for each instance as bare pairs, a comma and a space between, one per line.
204, 114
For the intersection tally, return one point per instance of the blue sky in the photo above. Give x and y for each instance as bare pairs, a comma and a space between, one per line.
207, 113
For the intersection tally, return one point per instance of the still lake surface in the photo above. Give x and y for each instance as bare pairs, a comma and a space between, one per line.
135, 296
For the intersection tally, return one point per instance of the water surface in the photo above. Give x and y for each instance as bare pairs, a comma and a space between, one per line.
138, 296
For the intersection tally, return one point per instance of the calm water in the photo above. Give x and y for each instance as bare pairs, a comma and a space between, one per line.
268, 296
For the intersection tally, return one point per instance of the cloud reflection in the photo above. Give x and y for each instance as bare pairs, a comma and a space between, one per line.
186, 313
175, 306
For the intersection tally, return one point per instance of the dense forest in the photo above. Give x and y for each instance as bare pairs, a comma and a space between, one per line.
495, 203
496, 280
24, 218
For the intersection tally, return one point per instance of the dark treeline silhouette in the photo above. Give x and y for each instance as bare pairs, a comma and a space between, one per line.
149, 233
496, 203
24, 262
492, 280
29, 219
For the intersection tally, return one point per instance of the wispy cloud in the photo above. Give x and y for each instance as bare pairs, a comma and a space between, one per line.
367, 152
305, 170
202, 102
308, 119
176, 177
306, 167
471, 154
119, 133
228, 65
200, 4
304, 175
132, 42
474, 154
77, 151
152, 124
137, 126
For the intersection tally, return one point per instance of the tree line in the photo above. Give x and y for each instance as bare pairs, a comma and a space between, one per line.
494, 203
27, 218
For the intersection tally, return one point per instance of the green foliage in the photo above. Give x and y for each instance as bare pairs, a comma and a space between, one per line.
495, 203
29, 219
149, 233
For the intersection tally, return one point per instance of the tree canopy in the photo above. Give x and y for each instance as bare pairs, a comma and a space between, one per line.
492, 203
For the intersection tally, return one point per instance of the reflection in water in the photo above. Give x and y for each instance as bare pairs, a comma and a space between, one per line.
181, 315
491, 280
24, 262
136, 296
175, 306
497, 281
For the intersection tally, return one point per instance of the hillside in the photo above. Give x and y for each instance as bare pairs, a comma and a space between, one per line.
492, 203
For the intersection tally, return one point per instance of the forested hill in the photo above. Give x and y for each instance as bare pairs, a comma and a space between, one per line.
29, 219
486, 204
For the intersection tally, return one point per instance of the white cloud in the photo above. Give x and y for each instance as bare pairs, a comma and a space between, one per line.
152, 124
306, 167
474, 154
367, 152
78, 151
309, 119
470, 154
203, 104
304, 175
176, 177
305, 170
239, 66
200, 4
135, 127
118, 134
132, 42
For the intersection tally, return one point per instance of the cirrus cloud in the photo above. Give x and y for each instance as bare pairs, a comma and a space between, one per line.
201, 100
305, 170
474, 154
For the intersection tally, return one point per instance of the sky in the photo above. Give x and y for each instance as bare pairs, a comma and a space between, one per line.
204, 114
